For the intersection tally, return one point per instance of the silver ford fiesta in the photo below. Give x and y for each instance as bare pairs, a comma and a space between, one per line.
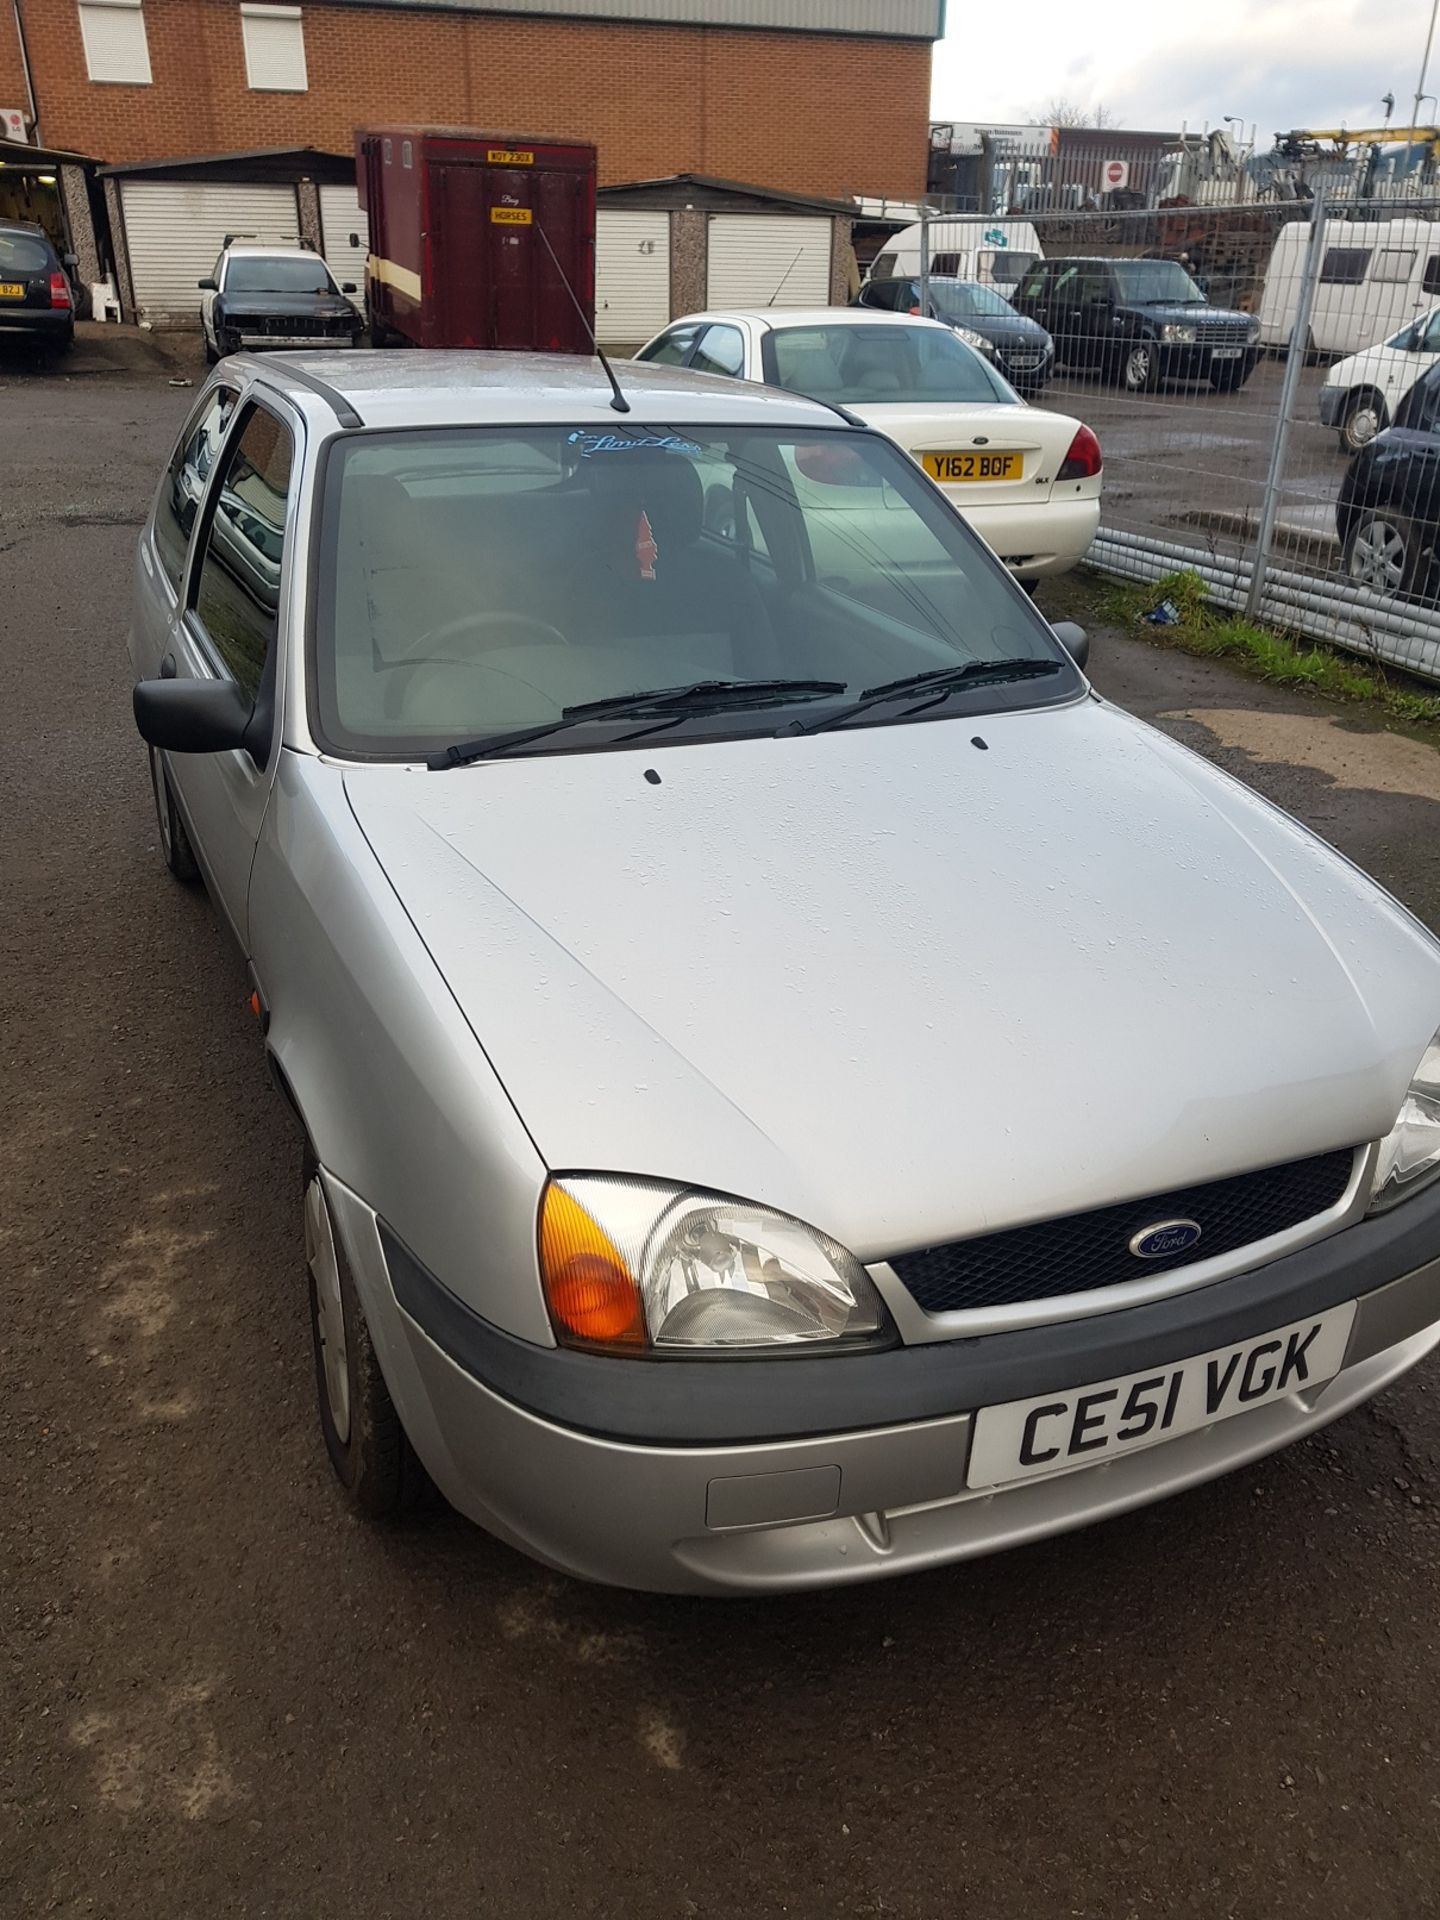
794, 1087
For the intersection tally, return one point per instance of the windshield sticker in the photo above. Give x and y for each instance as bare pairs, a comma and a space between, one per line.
647, 548
592, 443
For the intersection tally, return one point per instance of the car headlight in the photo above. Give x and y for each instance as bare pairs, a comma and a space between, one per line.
1178, 336
1410, 1152
1252, 330
637, 1265
976, 340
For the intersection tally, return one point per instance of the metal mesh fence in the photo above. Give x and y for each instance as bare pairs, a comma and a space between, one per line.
1237, 364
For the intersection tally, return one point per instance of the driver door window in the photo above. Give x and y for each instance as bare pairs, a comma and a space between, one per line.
236, 596
672, 349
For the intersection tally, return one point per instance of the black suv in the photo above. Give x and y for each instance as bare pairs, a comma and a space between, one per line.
1023, 351
36, 298
1388, 513
1138, 322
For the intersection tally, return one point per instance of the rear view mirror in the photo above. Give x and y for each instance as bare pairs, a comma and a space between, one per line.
1074, 639
192, 716
834, 464
207, 286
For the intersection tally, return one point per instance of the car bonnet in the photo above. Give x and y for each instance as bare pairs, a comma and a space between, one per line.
904, 985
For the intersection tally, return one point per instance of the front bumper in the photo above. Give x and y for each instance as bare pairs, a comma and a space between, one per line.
261, 342
753, 1476
1332, 406
1042, 538
1200, 360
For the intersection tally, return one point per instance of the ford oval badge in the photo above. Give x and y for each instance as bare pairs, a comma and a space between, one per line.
1165, 1239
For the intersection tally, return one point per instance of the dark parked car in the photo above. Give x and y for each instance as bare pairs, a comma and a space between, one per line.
1020, 348
1388, 513
1138, 322
36, 297
264, 296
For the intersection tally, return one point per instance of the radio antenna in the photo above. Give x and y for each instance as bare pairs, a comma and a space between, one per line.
619, 403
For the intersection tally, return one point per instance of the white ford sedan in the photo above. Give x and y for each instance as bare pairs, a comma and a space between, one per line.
791, 1086
1027, 479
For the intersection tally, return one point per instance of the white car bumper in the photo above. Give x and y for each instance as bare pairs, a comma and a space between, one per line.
1034, 540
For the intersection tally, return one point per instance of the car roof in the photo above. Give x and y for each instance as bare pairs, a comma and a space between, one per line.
456, 388
32, 227
247, 247
816, 317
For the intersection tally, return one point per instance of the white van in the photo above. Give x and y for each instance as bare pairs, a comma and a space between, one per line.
1375, 276
998, 253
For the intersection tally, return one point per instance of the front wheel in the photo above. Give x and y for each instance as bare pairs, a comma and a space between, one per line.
1387, 552
175, 848
368, 1448
1140, 367
1364, 417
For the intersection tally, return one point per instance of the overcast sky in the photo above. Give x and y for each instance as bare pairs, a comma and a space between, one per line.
1283, 63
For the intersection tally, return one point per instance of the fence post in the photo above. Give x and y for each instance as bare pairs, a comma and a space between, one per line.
925, 262
1294, 366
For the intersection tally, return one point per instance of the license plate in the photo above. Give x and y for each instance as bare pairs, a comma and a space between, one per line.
948, 468
1226, 353
12, 290
1084, 1426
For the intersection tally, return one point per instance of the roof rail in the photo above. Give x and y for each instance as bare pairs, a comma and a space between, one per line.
344, 412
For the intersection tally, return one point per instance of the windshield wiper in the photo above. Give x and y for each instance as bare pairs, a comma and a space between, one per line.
699, 697
936, 683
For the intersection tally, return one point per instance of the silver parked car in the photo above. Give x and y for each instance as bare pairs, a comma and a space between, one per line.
794, 1087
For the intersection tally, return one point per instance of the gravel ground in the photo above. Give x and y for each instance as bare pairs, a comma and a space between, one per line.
224, 1695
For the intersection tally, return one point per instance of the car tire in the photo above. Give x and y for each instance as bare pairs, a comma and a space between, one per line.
211, 356
368, 1447
175, 848
1140, 366
1365, 415
226, 343
1386, 551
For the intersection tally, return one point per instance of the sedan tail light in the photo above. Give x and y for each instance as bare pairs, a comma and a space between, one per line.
1082, 462
59, 290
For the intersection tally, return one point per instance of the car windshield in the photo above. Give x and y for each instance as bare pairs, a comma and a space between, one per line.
22, 253
881, 363
279, 273
1157, 281
474, 584
968, 300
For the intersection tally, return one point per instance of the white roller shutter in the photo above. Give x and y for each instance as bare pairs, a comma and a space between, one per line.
763, 259
174, 231
632, 277
341, 214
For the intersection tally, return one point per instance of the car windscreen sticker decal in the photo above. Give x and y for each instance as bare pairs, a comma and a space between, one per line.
589, 444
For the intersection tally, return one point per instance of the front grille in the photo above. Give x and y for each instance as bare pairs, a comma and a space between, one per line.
291, 325
1224, 336
1084, 1251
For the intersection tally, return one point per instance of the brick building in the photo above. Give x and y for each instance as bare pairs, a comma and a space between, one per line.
823, 97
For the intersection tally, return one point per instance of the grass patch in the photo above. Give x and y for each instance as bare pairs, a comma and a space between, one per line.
1276, 657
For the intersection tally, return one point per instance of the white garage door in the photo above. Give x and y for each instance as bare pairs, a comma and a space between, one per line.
762, 260
174, 232
632, 277
341, 215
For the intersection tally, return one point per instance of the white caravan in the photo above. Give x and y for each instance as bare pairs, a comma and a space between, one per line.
1375, 276
998, 253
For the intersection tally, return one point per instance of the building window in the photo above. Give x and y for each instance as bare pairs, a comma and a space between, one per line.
115, 43
274, 49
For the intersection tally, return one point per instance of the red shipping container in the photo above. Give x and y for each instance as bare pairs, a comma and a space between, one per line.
457, 257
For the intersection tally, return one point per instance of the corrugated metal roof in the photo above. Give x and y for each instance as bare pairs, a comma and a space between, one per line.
636, 190
889, 19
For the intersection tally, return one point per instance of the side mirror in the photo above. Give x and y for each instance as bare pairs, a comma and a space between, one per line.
207, 286
71, 260
355, 240
192, 716
1074, 639
347, 286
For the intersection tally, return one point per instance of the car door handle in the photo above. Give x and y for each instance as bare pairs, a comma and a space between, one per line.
168, 667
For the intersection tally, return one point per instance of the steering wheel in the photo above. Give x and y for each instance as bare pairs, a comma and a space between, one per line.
478, 623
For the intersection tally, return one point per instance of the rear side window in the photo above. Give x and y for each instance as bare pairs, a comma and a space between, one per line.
22, 253
237, 592
1431, 280
721, 350
184, 483
1344, 266
947, 264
